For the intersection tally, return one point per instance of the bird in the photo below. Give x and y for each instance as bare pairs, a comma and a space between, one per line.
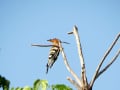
54, 53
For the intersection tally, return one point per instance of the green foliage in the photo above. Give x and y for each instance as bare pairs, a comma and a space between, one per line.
27, 88
24, 88
37, 85
4, 83
40, 84
60, 87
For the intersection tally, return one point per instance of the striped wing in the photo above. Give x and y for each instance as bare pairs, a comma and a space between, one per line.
54, 53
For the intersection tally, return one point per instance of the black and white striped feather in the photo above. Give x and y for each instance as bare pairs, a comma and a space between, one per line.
53, 55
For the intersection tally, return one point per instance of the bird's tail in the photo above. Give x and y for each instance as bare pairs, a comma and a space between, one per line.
47, 68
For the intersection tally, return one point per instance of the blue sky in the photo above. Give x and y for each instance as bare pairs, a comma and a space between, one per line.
23, 22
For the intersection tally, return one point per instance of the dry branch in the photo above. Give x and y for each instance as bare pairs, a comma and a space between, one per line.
103, 59
109, 64
75, 32
83, 70
40, 45
68, 66
74, 83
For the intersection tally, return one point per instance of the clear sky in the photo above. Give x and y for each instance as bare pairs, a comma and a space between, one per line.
23, 22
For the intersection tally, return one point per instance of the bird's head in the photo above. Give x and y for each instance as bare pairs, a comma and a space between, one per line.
55, 41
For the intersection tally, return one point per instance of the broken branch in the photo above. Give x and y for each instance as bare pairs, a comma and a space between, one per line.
74, 83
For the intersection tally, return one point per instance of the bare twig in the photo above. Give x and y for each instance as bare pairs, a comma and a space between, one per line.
75, 32
83, 70
39, 45
74, 83
109, 64
102, 60
68, 67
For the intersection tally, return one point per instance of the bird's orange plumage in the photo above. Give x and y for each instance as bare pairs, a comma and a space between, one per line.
55, 41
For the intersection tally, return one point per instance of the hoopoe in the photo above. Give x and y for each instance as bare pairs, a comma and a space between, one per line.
54, 53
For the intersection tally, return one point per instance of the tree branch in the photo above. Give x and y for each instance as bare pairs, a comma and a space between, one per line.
74, 83
68, 67
83, 70
75, 32
109, 64
103, 59
39, 45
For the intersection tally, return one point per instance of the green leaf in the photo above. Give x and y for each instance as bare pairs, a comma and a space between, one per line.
27, 88
60, 87
18, 88
40, 84
4, 83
